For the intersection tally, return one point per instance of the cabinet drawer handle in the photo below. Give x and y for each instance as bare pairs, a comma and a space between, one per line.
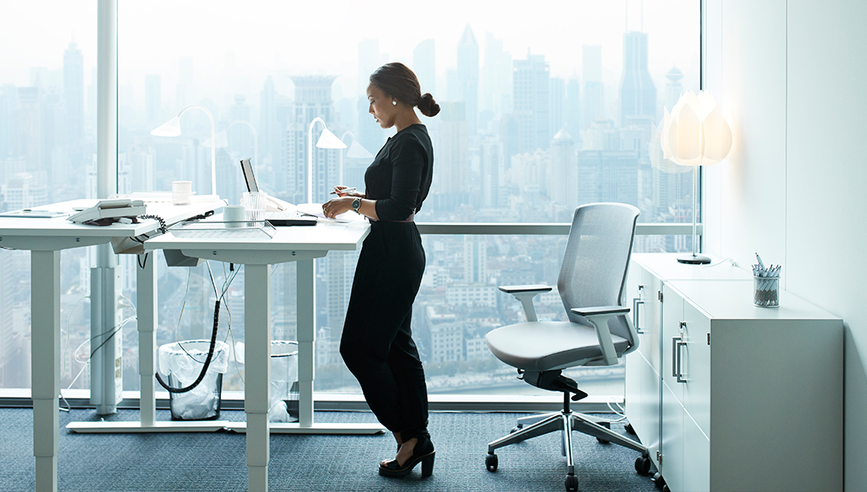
676, 363
680, 378
636, 302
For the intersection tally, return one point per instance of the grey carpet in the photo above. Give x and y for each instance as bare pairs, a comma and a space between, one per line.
216, 461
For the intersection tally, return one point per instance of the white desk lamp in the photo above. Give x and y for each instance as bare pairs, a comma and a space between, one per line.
695, 133
222, 138
326, 141
356, 151
172, 128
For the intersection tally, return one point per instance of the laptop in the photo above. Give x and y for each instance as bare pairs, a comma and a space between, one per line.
281, 218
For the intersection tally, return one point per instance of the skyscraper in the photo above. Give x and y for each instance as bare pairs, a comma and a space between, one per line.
637, 92
493, 172
153, 99
451, 179
312, 99
562, 174
424, 65
496, 86
369, 133
531, 96
73, 94
468, 78
594, 101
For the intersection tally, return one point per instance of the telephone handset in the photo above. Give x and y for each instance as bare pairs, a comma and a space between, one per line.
111, 208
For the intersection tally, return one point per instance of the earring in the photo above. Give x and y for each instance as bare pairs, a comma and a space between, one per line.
394, 102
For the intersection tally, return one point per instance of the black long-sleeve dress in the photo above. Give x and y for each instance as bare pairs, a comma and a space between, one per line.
377, 343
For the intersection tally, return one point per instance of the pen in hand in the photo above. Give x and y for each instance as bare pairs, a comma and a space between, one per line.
344, 190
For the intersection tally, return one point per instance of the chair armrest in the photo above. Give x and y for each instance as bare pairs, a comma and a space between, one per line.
525, 294
596, 311
598, 316
513, 289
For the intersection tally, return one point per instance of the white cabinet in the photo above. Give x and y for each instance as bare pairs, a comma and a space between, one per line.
732, 396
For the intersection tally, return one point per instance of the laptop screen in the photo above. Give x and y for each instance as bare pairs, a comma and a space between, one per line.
249, 177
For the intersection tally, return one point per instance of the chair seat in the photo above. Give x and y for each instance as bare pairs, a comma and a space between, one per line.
547, 345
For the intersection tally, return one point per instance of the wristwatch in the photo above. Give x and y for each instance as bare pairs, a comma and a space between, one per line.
356, 204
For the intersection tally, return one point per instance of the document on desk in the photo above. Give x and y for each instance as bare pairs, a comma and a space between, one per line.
315, 210
34, 214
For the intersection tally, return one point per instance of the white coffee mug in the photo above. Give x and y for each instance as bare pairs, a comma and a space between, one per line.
233, 215
181, 192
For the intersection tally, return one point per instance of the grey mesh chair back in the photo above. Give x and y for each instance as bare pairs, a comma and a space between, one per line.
594, 266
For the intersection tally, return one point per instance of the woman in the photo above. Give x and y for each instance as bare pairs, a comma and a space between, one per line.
377, 343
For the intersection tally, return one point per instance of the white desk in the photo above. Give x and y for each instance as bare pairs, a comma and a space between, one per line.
301, 245
45, 238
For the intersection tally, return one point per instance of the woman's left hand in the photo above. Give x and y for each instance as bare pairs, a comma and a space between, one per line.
336, 206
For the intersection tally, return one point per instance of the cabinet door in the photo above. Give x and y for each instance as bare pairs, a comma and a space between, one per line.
672, 445
648, 429
695, 364
696, 458
672, 341
632, 396
647, 315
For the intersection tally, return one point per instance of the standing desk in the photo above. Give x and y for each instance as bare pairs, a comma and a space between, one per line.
301, 245
45, 238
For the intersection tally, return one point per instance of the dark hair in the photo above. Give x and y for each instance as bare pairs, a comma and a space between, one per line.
398, 81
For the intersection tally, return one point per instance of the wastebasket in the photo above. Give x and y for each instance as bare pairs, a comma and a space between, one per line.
182, 362
284, 379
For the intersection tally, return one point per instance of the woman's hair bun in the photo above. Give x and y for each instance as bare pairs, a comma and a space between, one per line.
427, 105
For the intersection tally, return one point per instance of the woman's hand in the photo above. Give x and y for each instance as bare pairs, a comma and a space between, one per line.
342, 191
336, 206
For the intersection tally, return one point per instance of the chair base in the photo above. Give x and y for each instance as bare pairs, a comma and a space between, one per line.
565, 421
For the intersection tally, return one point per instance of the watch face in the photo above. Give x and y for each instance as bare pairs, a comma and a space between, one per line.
356, 204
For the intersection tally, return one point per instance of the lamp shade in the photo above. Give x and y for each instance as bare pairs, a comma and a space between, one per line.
328, 140
357, 151
171, 128
695, 133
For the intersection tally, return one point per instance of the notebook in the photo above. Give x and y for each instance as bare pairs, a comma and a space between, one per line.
282, 218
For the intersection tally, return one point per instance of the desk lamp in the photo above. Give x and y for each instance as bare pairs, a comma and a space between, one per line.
223, 138
695, 133
356, 151
172, 128
327, 140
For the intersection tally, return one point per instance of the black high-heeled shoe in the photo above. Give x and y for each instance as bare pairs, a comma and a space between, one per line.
422, 452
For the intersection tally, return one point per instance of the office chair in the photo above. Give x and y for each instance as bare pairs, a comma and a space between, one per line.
591, 283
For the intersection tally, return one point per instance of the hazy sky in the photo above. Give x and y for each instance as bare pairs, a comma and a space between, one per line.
247, 40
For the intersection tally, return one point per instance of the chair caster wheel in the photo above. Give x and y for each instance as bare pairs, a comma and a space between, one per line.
607, 425
665, 488
658, 480
514, 430
491, 462
642, 465
571, 483
630, 429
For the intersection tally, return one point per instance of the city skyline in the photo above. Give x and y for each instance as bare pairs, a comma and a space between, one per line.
515, 142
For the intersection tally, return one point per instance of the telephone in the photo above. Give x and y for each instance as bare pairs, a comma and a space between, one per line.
111, 208
274, 204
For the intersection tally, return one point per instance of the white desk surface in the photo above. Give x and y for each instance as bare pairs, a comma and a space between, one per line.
29, 233
665, 266
346, 236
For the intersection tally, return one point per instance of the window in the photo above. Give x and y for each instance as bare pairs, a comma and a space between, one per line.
543, 109
47, 155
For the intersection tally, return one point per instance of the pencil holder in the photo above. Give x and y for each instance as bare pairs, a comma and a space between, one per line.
766, 291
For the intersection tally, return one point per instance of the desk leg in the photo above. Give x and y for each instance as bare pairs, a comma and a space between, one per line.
305, 279
257, 357
45, 364
146, 309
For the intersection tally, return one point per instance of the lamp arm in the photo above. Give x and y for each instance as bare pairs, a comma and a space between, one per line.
255, 137
310, 157
213, 145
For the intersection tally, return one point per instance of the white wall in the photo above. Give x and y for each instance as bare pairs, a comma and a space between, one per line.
794, 76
